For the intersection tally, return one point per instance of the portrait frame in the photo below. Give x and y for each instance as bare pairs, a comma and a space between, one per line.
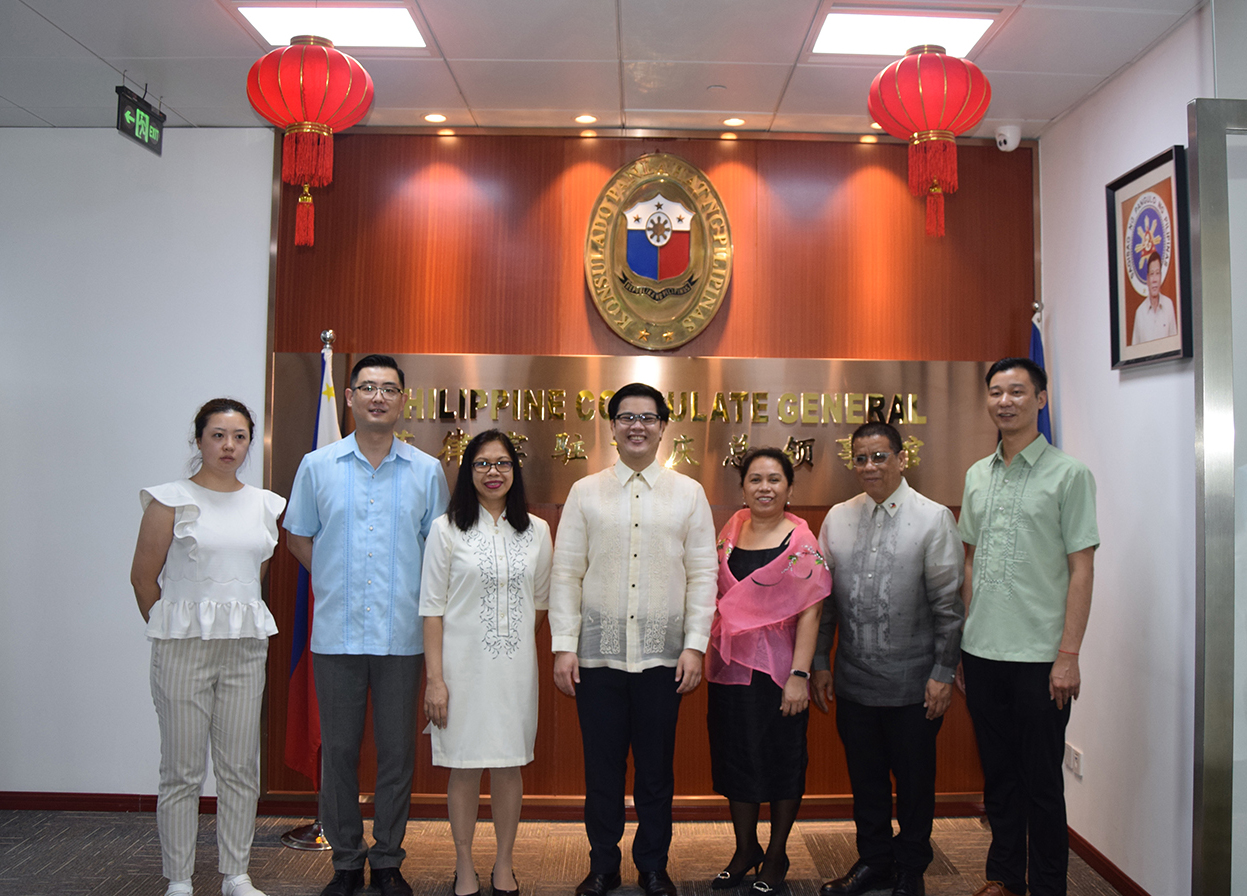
1148, 222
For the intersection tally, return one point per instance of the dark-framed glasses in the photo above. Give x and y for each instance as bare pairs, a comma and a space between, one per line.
878, 458
643, 419
389, 393
502, 466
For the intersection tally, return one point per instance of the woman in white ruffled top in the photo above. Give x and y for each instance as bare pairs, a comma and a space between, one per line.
203, 549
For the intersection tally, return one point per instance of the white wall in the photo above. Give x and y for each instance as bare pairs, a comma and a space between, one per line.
1136, 430
132, 288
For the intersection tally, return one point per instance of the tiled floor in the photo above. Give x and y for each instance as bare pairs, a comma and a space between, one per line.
118, 854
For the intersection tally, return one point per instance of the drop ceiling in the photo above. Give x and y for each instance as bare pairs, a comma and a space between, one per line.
635, 64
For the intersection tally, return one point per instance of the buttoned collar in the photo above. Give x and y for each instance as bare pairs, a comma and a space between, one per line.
349, 445
1031, 453
650, 474
892, 503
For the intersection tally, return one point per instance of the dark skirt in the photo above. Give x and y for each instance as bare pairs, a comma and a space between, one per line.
757, 754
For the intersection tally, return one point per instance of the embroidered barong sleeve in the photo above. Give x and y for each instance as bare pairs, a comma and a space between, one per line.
571, 560
944, 570
701, 564
827, 623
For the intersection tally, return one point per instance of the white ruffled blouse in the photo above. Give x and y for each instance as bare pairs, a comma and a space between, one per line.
210, 584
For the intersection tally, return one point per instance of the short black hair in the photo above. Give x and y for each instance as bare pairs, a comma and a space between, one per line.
1037, 375
773, 453
639, 390
377, 361
876, 428
465, 506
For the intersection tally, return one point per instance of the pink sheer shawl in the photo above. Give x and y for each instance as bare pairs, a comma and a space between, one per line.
755, 621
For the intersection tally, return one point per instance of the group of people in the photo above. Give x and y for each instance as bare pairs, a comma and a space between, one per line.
642, 601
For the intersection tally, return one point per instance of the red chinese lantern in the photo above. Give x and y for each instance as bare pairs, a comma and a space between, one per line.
311, 90
928, 98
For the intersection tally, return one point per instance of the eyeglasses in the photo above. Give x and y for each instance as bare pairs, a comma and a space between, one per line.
878, 458
389, 393
482, 466
644, 419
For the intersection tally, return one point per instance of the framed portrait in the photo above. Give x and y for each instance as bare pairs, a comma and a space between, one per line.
1148, 262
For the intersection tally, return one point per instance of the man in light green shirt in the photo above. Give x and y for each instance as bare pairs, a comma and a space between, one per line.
1028, 523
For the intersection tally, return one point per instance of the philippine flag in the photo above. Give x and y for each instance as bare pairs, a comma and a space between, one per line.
302, 712
658, 238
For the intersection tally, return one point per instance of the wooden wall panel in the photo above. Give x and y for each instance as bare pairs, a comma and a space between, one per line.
475, 245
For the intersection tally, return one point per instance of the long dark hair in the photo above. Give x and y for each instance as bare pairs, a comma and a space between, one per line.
465, 505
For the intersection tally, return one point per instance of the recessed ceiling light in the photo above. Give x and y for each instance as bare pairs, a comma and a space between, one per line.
446, 132
717, 87
588, 133
882, 34
435, 117
354, 26
728, 135
733, 122
876, 126
586, 119
868, 138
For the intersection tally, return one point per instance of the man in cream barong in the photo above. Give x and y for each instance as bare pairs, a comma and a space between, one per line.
631, 601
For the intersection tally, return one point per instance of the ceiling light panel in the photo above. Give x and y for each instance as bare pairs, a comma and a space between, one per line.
353, 26
886, 34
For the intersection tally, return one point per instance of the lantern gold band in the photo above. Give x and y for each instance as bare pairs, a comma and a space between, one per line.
928, 136
925, 48
310, 127
310, 40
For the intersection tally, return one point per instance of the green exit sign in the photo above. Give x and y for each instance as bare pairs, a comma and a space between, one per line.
139, 120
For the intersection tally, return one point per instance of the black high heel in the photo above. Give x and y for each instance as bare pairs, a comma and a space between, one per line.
725, 880
762, 888
500, 892
454, 887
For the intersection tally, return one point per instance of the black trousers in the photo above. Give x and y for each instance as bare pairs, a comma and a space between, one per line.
620, 710
881, 741
1021, 737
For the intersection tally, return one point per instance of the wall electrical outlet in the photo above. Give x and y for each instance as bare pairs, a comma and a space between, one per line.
1073, 760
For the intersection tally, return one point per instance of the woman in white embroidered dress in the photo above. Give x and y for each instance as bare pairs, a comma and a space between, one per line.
483, 595
202, 552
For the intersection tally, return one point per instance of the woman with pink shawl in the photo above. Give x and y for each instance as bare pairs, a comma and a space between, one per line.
772, 582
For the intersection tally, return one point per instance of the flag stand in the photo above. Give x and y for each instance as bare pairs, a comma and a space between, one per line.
311, 837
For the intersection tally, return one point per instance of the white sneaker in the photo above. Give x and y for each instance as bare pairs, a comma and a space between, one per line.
238, 885
179, 888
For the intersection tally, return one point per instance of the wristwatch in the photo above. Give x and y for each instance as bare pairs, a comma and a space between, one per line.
800, 674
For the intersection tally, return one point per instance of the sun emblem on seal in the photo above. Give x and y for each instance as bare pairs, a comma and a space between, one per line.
658, 253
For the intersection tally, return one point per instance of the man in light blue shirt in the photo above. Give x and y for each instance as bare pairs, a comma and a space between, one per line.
359, 512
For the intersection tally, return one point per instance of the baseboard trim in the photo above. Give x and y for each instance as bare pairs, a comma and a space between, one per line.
1101, 865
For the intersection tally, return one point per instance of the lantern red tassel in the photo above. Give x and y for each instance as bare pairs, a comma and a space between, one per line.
311, 90
928, 98
305, 220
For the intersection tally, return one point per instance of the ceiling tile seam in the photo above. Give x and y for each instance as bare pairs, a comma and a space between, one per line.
1109, 79
17, 105
433, 41
121, 72
796, 63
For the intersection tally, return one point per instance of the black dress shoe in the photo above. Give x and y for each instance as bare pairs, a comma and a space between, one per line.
345, 883
657, 883
498, 891
599, 883
389, 881
909, 883
862, 878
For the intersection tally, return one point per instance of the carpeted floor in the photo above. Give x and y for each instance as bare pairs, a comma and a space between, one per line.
118, 854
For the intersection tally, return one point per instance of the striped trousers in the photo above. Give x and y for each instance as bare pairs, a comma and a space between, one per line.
208, 692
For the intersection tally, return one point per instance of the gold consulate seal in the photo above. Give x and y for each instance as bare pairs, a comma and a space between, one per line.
658, 253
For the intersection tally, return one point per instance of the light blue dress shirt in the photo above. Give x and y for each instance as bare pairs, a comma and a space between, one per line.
368, 529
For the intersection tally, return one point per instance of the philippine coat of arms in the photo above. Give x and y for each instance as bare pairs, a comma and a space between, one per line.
658, 255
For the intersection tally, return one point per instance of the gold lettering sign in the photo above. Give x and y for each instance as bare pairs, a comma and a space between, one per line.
658, 253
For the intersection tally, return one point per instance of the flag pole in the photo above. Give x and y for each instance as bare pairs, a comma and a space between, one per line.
311, 837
